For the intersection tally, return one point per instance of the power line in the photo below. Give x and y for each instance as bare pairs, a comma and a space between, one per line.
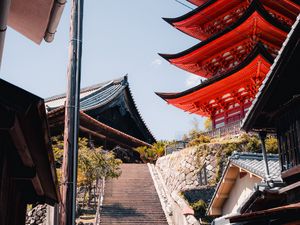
183, 4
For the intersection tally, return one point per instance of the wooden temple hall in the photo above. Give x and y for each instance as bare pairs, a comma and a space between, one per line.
108, 117
27, 168
238, 43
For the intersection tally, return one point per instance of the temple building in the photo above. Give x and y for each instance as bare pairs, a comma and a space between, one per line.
276, 110
27, 168
108, 116
239, 41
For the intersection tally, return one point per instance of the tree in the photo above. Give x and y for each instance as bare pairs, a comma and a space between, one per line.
93, 164
207, 124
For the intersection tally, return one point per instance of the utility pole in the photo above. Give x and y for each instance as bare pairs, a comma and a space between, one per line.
69, 168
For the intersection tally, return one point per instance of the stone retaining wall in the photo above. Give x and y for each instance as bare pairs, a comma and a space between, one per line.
37, 215
181, 170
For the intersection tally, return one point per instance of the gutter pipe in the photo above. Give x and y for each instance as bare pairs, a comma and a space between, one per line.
4, 11
57, 10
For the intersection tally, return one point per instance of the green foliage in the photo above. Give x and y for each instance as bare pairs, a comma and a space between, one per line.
197, 138
199, 208
230, 147
207, 124
58, 148
272, 145
151, 154
249, 143
93, 164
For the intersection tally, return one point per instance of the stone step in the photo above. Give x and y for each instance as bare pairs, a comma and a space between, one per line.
132, 199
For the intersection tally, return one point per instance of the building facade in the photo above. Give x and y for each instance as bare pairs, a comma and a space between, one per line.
238, 43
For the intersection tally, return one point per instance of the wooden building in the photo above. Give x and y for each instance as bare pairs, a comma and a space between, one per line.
241, 178
276, 109
239, 41
108, 116
27, 172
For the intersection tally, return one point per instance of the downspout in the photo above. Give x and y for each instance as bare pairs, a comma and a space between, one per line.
262, 136
4, 11
57, 10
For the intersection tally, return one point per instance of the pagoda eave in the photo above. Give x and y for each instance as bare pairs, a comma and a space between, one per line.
240, 83
212, 17
269, 31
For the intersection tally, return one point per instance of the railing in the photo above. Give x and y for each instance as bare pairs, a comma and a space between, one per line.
176, 146
101, 186
229, 129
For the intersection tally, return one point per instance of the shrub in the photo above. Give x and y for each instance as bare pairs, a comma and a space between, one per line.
199, 208
151, 154
272, 145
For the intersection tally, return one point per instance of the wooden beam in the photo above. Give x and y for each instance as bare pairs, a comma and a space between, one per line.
38, 186
111, 131
224, 196
228, 181
213, 211
289, 187
19, 141
103, 137
290, 172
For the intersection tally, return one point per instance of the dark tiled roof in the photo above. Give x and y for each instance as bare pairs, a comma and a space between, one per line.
253, 162
264, 93
102, 96
105, 95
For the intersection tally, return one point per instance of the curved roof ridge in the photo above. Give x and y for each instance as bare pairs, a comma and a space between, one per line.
253, 7
139, 114
87, 89
252, 155
259, 49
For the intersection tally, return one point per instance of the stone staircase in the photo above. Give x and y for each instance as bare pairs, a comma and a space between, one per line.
132, 199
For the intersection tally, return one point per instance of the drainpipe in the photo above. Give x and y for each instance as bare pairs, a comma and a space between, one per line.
4, 10
262, 136
57, 10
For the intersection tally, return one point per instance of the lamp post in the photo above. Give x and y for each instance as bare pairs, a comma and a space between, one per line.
70, 158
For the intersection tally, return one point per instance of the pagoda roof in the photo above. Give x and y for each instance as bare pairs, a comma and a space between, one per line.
271, 32
198, 16
219, 86
280, 89
102, 100
222, 13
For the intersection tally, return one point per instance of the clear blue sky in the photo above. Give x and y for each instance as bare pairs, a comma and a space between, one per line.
120, 37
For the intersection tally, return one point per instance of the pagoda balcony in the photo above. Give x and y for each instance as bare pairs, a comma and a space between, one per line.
233, 128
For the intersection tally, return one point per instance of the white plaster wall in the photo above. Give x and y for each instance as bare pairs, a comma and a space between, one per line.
239, 192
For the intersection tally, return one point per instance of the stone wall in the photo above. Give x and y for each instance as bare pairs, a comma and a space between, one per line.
181, 170
37, 215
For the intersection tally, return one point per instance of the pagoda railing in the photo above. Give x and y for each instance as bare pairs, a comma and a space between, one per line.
233, 128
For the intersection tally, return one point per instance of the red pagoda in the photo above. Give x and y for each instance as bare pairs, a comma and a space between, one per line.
239, 41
